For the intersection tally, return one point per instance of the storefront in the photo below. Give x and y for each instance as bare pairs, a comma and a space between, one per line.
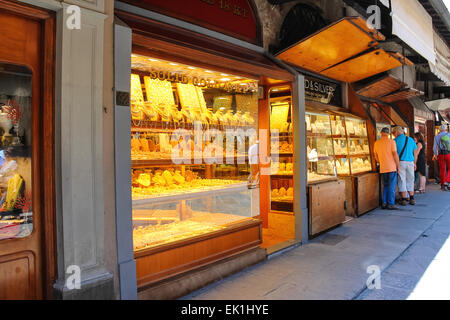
27, 228
208, 124
340, 130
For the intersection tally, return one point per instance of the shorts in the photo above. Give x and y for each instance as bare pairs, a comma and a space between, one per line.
406, 177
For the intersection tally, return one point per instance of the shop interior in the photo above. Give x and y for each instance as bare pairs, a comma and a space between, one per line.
193, 133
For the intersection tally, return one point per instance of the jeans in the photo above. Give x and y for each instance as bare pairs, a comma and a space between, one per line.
390, 183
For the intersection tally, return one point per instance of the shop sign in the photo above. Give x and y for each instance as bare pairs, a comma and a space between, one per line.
237, 87
236, 18
323, 91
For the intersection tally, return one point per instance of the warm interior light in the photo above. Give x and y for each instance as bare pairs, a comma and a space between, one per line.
154, 60
192, 68
173, 64
225, 79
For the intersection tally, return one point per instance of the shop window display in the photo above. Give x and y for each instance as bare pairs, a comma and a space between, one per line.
320, 151
191, 133
282, 150
16, 217
358, 145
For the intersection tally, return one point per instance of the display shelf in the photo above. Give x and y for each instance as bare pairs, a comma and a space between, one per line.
285, 155
281, 200
152, 126
350, 137
211, 191
323, 158
324, 180
315, 135
182, 161
359, 155
282, 176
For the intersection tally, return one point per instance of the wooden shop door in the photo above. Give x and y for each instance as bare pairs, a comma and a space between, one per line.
23, 152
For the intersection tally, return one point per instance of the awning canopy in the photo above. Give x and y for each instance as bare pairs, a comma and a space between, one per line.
444, 117
442, 67
421, 109
412, 23
388, 89
381, 87
442, 104
403, 94
346, 51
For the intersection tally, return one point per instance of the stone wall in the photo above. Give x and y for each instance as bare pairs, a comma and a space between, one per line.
272, 16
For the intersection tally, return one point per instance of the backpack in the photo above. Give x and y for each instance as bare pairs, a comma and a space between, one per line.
444, 144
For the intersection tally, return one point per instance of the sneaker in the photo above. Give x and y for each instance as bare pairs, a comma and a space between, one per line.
403, 202
384, 206
444, 188
391, 207
412, 202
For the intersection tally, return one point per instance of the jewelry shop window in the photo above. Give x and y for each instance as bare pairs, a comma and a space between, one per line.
193, 132
16, 218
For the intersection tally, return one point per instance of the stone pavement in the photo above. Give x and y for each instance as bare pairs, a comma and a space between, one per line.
409, 246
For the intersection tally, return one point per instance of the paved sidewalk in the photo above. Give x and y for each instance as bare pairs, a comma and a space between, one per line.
334, 266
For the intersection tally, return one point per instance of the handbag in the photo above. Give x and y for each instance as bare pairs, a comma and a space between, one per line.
404, 148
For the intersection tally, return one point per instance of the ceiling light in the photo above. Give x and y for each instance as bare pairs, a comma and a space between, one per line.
209, 71
224, 74
225, 79
154, 60
192, 68
173, 64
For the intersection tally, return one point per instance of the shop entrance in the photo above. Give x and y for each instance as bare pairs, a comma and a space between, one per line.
23, 192
281, 218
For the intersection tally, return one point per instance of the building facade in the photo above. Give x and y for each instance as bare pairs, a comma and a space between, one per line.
83, 76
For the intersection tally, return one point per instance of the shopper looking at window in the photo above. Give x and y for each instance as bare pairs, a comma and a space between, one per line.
407, 153
421, 162
386, 155
442, 154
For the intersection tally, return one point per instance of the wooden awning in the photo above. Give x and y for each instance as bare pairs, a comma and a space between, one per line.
403, 94
346, 51
381, 87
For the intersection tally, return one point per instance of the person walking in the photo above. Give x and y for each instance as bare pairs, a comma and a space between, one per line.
407, 153
421, 163
386, 155
442, 154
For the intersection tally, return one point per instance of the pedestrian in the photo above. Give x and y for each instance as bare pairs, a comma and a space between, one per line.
442, 154
421, 162
386, 155
407, 153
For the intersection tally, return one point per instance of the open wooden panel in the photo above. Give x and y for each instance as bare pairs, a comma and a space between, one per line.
365, 66
381, 87
402, 95
332, 45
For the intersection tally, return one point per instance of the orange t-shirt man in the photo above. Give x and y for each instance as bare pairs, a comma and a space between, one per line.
385, 151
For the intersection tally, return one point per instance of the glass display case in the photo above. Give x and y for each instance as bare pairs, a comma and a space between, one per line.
340, 144
192, 130
358, 145
16, 212
320, 151
282, 150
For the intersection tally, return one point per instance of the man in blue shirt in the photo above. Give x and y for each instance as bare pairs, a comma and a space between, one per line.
407, 151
